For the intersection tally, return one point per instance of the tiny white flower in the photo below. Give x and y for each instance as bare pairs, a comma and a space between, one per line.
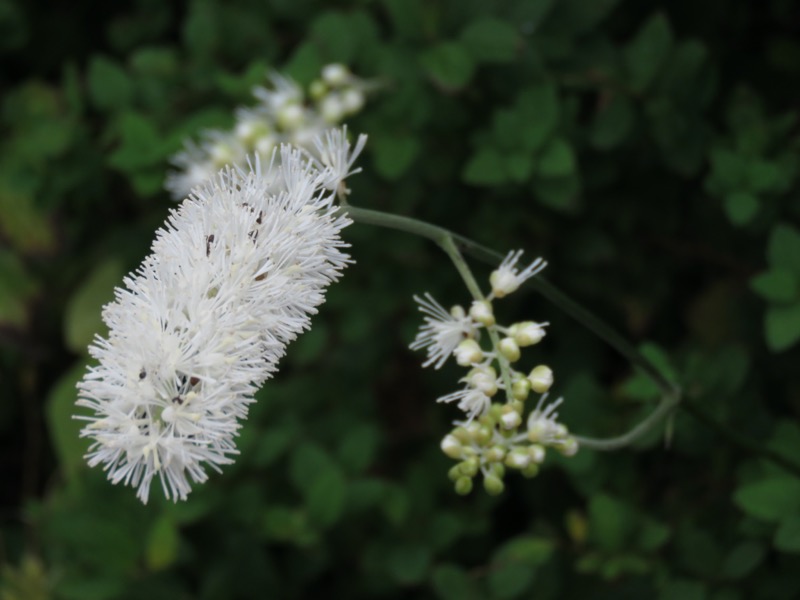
441, 331
527, 333
542, 425
472, 401
506, 278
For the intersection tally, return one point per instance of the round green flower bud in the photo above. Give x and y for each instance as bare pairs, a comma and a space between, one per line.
495, 454
483, 436
463, 486
493, 485
530, 471
527, 333
317, 89
461, 434
468, 353
568, 447
537, 453
511, 419
518, 458
498, 470
470, 466
454, 473
520, 389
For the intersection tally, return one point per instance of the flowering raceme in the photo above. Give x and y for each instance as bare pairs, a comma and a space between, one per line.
233, 277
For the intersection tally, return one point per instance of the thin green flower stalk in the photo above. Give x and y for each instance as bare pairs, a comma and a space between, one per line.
496, 436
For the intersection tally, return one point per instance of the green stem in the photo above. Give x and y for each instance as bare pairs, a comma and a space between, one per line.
449, 246
452, 242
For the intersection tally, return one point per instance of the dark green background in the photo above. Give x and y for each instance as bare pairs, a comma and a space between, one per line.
648, 150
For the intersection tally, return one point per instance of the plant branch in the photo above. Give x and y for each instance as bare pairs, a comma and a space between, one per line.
450, 241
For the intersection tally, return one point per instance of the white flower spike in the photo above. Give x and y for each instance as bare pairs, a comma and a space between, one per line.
234, 276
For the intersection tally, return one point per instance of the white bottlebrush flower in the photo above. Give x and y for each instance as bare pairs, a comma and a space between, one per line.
234, 275
506, 278
441, 331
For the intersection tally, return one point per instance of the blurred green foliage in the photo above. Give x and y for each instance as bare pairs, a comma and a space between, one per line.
649, 150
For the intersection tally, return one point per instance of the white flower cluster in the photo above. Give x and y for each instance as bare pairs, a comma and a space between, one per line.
493, 437
282, 116
234, 276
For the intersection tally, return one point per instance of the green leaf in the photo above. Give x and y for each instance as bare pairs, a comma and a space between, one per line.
612, 123
783, 248
109, 85
485, 168
82, 317
140, 144
519, 166
17, 288
357, 449
776, 285
743, 559
787, 537
782, 327
683, 589
394, 154
741, 207
611, 522
647, 52
491, 40
325, 497
448, 64
451, 582
770, 499
515, 563
163, 540
557, 159
408, 564
539, 112
560, 194
64, 429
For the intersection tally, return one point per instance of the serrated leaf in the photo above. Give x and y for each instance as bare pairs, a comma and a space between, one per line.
449, 64
787, 537
647, 52
770, 499
82, 317
782, 327
491, 40
64, 429
776, 285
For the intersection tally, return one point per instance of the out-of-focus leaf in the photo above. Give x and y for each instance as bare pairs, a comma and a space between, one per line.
163, 540
64, 428
783, 248
741, 207
782, 327
491, 40
743, 559
776, 285
486, 167
109, 85
787, 537
647, 52
449, 64
17, 289
770, 499
408, 564
557, 159
394, 154
450, 582
82, 317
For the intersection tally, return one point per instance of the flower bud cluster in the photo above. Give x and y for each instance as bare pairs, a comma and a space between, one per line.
499, 434
285, 114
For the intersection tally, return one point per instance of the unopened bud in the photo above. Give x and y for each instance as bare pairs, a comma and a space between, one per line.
481, 311
518, 458
483, 379
463, 486
509, 348
493, 485
352, 100
451, 446
468, 353
541, 379
495, 454
511, 419
469, 467
291, 116
520, 389
568, 447
537, 453
527, 333
335, 74
317, 89
530, 471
